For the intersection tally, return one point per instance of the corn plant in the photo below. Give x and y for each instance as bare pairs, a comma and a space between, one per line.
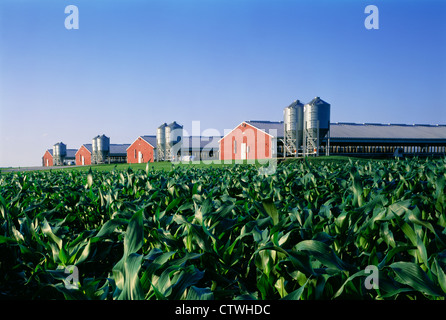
308, 231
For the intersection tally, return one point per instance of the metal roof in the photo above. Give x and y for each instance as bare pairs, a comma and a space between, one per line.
379, 131
174, 125
201, 143
89, 147
274, 128
344, 131
71, 153
118, 149
295, 103
317, 101
150, 139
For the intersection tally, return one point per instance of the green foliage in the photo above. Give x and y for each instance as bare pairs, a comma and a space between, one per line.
307, 231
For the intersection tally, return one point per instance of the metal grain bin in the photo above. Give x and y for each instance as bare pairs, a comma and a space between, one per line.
59, 153
103, 143
62, 149
56, 150
174, 134
317, 115
293, 126
94, 145
161, 136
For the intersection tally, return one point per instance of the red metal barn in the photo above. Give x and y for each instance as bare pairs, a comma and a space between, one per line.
142, 150
47, 159
252, 140
83, 155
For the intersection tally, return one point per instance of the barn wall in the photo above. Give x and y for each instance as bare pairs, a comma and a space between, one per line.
140, 145
83, 152
258, 144
47, 157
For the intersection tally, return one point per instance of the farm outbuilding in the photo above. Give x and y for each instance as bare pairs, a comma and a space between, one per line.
47, 159
196, 148
142, 150
67, 158
376, 139
252, 140
83, 155
117, 154
261, 139
305, 131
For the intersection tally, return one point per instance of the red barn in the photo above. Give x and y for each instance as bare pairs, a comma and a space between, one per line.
66, 159
252, 140
142, 150
83, 155
47, 159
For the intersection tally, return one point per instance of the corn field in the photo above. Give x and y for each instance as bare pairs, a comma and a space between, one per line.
308, 231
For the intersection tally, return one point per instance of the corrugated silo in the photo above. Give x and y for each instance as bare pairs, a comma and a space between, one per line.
56, 150
94, 149
100, 149
174, 136
161, 142
316, 124
59, 153
293, 128
94, 145
103, 148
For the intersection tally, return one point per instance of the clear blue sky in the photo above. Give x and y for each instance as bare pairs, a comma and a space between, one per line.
133, 65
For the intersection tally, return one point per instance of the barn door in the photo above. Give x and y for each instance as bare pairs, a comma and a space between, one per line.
139, 157
83, 160
243, 151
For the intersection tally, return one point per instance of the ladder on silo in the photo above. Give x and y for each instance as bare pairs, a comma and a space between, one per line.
160, 153
310, 142
290, 145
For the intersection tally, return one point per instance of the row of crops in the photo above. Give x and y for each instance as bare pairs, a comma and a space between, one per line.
308, 231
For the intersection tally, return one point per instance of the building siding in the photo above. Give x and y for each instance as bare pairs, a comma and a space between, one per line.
140, 145
47, 159
246, 140
83, 152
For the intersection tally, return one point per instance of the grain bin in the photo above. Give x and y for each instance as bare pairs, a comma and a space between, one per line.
293, 127
103, 145
316, 124
174, 135
161, 142
100, 149
59, 153
94, 145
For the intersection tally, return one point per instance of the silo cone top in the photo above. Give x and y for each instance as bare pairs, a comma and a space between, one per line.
295, 103
318, 101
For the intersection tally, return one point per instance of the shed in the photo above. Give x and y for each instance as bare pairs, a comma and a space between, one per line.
252, 140
142, 150
386, 138
83, 155
67, 159
196, 148
47, 159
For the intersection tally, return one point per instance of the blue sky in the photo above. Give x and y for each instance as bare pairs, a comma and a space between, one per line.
133, 65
